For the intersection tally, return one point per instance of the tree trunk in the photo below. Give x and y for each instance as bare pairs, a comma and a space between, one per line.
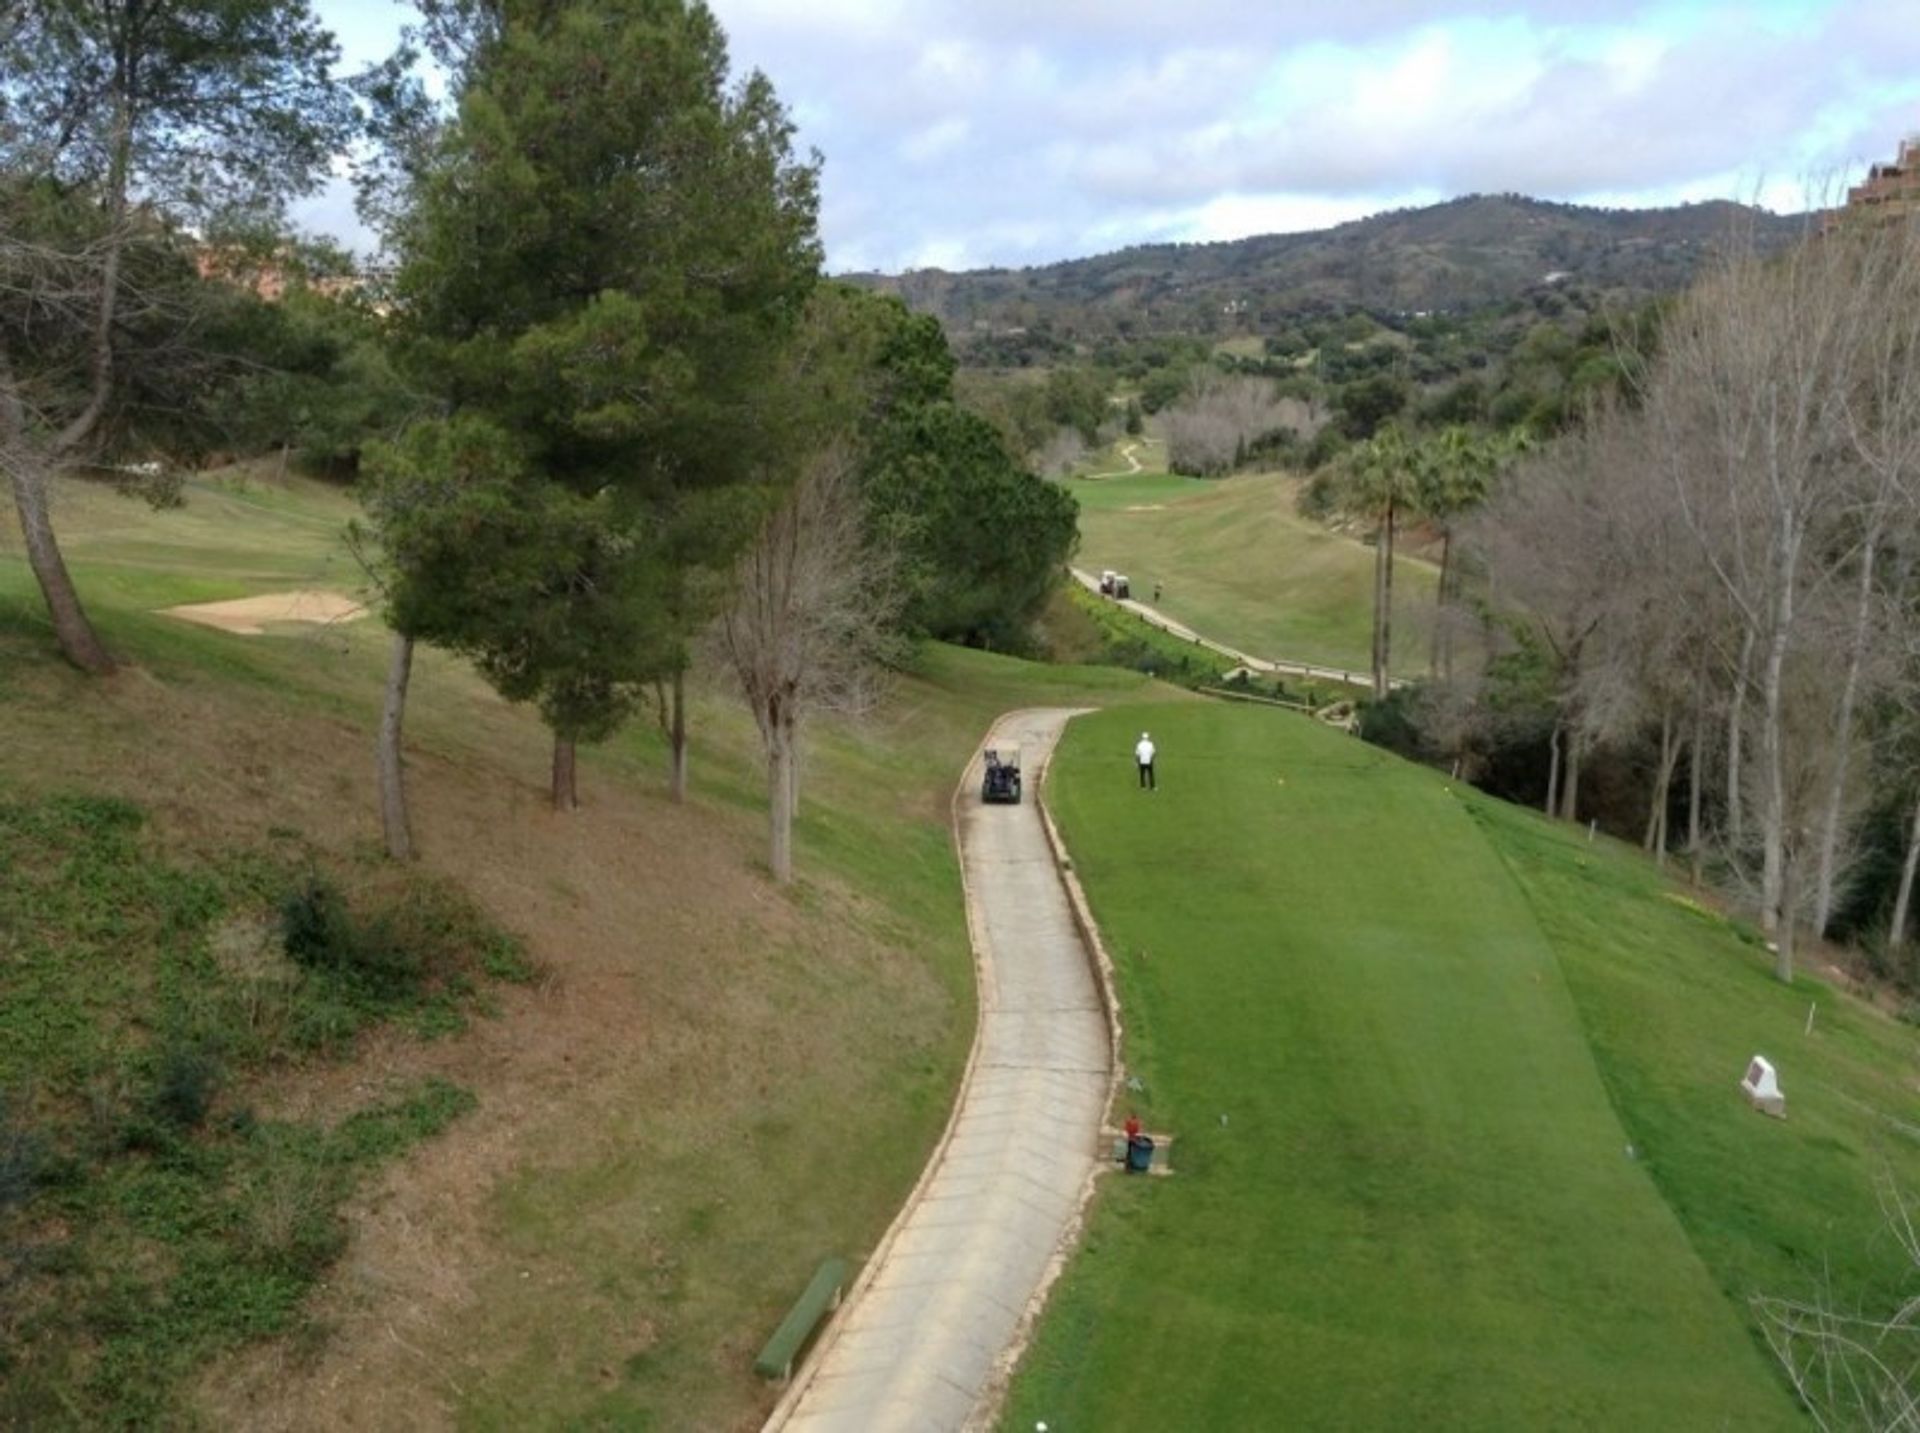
780, 789
392, 770
1903, 899
1773, 807
794, 756
566, 787
100, 362
1843, 739
677, 738
1736, 723
1786, 927
1570, 788
31, 467
1653, 798
1552, 806
1655, 839
1379, 611
1662, 838
1696, 760
1440, 603
79, 643
1385, 679
1775, 898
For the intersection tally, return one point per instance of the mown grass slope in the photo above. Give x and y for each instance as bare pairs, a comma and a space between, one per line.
1458, 1138
713, 1084
1236, 562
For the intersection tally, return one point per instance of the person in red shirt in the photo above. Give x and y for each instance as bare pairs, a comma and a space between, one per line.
1133, 1127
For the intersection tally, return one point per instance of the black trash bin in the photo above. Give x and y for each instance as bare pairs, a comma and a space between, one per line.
1139, 1154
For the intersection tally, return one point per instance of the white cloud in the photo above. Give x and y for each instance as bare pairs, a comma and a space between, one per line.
1233, 216
1011, 131
935, 141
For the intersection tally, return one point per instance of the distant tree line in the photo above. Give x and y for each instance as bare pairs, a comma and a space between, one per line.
1316, 383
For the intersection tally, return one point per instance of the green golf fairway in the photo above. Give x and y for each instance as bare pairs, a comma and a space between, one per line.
1403, 1197
1236, 563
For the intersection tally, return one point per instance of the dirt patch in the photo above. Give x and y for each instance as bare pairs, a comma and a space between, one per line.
247, 616
1145, 507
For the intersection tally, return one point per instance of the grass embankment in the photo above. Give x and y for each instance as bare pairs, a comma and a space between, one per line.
714, 1083
149, 1218
1236, 562
1459, 1143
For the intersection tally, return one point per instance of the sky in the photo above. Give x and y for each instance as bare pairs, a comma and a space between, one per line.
966, 133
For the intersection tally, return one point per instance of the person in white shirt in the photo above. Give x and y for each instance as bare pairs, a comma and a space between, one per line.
1143, 753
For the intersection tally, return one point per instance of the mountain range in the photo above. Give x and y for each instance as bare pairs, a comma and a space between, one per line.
1467, 253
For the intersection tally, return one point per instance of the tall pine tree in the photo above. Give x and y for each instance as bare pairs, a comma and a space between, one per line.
600, 264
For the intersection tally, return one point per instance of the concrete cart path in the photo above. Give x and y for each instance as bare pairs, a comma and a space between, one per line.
917, 1348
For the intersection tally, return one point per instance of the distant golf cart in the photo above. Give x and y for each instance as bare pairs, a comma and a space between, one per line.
1115, 585
1002, 781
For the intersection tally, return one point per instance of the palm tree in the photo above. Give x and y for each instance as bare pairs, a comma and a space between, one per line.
1381, 476
1454, 472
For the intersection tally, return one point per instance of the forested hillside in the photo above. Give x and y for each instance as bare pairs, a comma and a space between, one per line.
1470, 252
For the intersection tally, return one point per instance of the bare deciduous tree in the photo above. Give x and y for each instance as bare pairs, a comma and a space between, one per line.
1211, 430
1728, 571
1881, 414
1905, 703
1903, 896
1749, 397
1061, 453
1558, 544
810, 620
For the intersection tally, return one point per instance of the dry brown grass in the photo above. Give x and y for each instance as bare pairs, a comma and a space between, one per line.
653, 1024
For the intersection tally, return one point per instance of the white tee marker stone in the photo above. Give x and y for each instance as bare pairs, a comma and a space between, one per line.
1761, 1086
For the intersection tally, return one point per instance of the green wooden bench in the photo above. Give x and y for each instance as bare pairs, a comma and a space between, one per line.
821, 1298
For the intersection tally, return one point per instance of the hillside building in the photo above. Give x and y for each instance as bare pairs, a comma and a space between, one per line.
1891, 189
271, 277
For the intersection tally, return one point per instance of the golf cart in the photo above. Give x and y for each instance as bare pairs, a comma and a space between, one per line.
1002, 781
1115, 585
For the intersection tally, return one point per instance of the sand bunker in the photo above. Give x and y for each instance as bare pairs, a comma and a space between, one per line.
1145, 507
247, 616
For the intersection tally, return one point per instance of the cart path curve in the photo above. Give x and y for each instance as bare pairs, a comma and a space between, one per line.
1131, 453
1276, 666
920, 1342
